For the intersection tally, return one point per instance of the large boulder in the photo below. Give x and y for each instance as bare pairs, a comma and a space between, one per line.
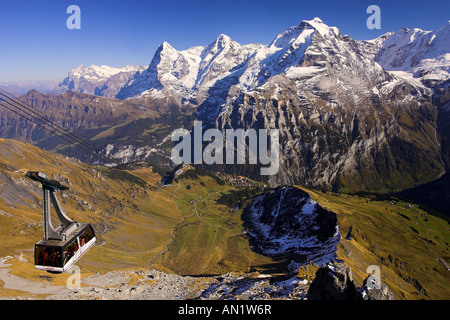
334, 281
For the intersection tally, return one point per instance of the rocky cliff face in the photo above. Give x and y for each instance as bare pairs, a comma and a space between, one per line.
344, 120
70, 110
334, 281
422, 57
98, 120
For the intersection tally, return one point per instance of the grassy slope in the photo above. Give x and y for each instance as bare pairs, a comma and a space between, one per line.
211, 238
132, 222
383, 237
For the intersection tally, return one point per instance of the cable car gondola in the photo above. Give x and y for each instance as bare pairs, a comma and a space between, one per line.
63, 246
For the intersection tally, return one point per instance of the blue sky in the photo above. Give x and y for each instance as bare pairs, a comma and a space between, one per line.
37, 45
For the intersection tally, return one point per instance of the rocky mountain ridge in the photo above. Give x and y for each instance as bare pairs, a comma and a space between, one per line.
287, 221
102, 80
345, 113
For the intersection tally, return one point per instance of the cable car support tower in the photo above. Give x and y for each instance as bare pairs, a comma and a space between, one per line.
49, 187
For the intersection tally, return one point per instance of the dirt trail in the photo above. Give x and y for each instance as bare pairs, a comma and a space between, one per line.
17, 283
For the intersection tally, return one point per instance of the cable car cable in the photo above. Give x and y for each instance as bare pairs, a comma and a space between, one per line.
94, 153
40, 116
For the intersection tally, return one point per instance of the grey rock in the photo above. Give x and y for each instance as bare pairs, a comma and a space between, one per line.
333, 282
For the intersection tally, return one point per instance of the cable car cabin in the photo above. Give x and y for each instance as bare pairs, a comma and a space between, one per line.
64, 245
57, 256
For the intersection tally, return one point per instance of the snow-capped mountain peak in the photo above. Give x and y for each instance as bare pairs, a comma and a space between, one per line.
321, 27
303, 50
166, 47
223, 40
304, 29
194, 71
287, 37
423, 54
221, 44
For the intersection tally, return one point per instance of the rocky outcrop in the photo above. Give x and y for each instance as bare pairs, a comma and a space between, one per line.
287, 223
333, 282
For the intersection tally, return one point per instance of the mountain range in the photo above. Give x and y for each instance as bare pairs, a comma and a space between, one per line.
267, 246
352, 114
419, 54
98, 80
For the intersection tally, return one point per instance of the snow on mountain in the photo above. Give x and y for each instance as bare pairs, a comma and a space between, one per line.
95, 73
194, 71
288, 221
198, 73
330, 101
98, 80
309, 76
224, 67
330, 96
189, 74
210, 72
